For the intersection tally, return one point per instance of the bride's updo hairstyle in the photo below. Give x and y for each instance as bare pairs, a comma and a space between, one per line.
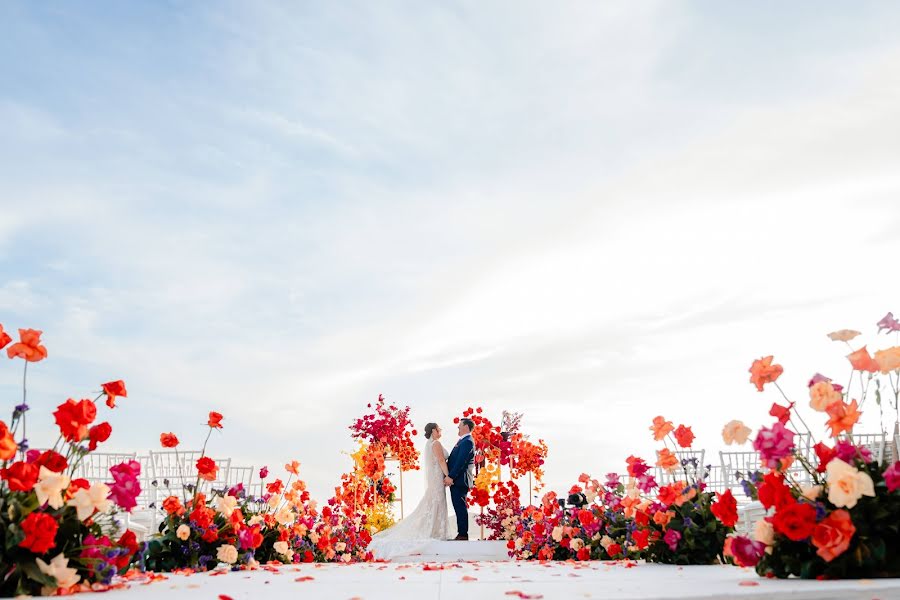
429, 429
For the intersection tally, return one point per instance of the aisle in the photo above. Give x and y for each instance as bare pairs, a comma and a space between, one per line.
500, 581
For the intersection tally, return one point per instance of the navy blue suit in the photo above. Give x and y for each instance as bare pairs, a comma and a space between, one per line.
461, 468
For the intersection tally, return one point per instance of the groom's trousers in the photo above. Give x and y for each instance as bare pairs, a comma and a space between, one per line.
458, 498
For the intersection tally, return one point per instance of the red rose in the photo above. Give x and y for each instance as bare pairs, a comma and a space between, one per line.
21, 476
773, 492
4, 338
98, 434
74, 417
725, 509
113, 390
308, 556
586, 517
54, 461
78, 484
168, 440
824, 454
584, 554
614, 550
29, 347
128, 541
210, 535
40, 532
641, 518
684, 436
207, 468
641, 538
215, 420
797, 520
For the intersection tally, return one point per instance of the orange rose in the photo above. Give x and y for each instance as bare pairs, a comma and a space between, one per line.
168, 440
823, 394
8, 445
762, 371
215, 420
888, 360
661, 428
861, 361
172, 505
662, 518
843, 417
667, 460
832, 535
29, 347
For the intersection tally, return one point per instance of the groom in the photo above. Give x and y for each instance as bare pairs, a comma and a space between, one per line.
461, 467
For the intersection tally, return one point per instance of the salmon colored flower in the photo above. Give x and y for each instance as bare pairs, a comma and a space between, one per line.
861, 361
113, 390
888, 360
207, 468
662, 518
762, 371
215, 420
832, 535
293, 467
4, 338
667, 460
8, 445
823, 394
661, 428
168, 440
684, 436
843, 335
843, 417
172, 505
735, 432
847, 484
28, 347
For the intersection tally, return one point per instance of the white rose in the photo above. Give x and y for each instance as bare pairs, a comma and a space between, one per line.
255, 520
577, 544
285, 516
340, 546
606, 542
846, 484
183, 532
227, 554
557, 534
226, 505
811, 492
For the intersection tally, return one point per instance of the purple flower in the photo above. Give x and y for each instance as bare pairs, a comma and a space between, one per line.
889, 323
746, 551
847, 452
672, 538
20, 408
892, 476
774, 444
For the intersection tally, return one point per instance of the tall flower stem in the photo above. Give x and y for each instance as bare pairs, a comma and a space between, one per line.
24, 403
796, 412
202, 454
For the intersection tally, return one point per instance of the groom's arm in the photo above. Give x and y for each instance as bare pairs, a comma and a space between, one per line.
459, 466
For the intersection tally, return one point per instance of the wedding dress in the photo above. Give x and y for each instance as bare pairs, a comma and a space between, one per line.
423, 525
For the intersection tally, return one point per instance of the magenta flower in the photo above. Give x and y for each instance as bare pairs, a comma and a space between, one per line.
889, 323
774, 444
746, 551
264, 472
612, 480
672, 538
847, 452
647, 483
892, 476
125, 488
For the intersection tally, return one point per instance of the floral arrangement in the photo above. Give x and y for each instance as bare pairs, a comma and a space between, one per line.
835, 511
389, 430
366, 490
58, 533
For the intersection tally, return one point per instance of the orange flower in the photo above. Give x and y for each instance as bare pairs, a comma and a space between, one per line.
661, 428
843, 417
888, 360
4, 338
832, 535
843, 335
215, 420
662, 518
293, 467
762, 371
689, 495
684, 436
8, 445
168, 440
666, 459
861, 361
113, 390
29, 347
822, 395
172, 505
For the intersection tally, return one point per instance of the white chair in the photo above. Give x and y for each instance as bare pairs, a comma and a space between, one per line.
95, 466
240, 475
690, 467
875, 442
715, 479
737, 466
748, 515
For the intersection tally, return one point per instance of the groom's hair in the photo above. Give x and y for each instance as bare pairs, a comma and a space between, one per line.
468, 423
429, 429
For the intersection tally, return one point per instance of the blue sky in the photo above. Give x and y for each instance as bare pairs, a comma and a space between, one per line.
593, 214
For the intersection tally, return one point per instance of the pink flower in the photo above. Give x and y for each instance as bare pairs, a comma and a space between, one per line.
746, 551
125, 488
889, 323
774, 444
672, 538
264, 472
847, 452
892, 476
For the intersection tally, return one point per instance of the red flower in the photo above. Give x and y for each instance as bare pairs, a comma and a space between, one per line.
113, 390
4, 338
207, 468
584, 554
98, 434
684, 436
210, 535
796, 520
641, 538
168, 440
40, 532
824, 454
172, 505
773, 492
833, 534
725, 509
308, 556
21, 476
782, 413
29, 347
215, 420
54, 461
8, 445
74, 417
275, 487
129, 542
667, 494
614, 550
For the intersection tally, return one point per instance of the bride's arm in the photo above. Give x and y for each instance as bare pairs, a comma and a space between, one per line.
439, 454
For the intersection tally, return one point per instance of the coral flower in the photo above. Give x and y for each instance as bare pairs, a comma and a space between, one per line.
215, 420
762, 371
207, 468
843, 417
861, 361
113, 390
661, 428
782, 413
843, 335
822, 394
735, 432
684, 436
8, 445
168, 440
4, 338
28, 347
888, 360
832, 535
293, 467
666, 459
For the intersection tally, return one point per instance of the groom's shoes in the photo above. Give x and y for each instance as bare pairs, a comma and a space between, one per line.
460, 538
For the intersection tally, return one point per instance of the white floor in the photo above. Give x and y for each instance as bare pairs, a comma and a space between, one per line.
501, 581
444, 552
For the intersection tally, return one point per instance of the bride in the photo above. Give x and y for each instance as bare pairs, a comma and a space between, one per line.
428, 521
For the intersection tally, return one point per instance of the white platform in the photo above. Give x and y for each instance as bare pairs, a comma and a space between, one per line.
499, 581
449, 552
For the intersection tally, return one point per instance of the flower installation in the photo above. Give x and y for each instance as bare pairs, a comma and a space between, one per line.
58, 532
833, 511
